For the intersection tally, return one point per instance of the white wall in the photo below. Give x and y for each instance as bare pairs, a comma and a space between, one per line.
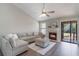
78, 29
54, 29
12, 19
59, 20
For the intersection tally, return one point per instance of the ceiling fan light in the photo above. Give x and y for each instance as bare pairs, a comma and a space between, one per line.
43, 15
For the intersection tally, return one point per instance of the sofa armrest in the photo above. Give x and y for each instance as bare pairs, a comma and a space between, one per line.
6, 48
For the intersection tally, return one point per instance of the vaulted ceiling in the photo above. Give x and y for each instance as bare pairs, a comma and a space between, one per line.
61, 9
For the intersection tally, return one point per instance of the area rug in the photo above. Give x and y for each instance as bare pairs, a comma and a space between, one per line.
40, 50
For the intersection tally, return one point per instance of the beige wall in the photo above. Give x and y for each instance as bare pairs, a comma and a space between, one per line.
12, 19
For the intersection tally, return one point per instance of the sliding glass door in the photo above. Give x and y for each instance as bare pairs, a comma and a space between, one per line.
69, 31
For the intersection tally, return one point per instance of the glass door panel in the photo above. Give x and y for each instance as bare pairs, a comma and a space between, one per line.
66, 32
74, 32
69, 31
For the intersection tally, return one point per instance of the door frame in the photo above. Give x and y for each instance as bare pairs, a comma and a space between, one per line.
70, 29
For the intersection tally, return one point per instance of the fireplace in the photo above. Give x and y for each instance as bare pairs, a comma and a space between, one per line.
52, 35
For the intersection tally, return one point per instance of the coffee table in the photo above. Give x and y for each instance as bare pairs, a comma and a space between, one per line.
41, 51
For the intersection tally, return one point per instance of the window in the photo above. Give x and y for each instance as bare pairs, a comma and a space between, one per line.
43, 28
43, 25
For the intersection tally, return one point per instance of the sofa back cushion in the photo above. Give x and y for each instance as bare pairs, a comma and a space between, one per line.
14, 36
13, 42
11, 38
8, 36
20, 35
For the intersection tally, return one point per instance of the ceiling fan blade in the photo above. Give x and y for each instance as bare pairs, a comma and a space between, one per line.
47, 15
51, 12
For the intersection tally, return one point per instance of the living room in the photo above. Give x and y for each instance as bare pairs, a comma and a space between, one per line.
31, 26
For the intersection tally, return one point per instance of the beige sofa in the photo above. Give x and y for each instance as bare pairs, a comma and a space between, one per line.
12, 46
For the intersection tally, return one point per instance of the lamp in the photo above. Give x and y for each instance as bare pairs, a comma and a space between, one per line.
43, 15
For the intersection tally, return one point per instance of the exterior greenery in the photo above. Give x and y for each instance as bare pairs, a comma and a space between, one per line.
67, 28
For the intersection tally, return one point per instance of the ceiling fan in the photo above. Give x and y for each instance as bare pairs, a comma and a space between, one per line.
44, 12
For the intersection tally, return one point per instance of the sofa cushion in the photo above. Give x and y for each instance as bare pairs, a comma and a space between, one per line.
13, 42
30, 34
14, 36
22, 35
9, 36
20, 43
29, 38
17, 43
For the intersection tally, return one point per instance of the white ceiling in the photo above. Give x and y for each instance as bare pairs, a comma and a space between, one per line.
61, 9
